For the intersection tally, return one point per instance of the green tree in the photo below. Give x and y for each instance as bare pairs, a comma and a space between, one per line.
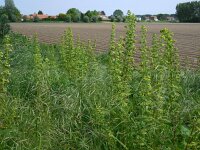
9, 3
68, 18
76, 18
82, 16
12, 12
75, 14
93, 15
90, 14
94, 19
118, 12
40, 12
103, 13
162, 17
2, 10
62, 17
124, 19
119, 19
188, 12
86, 19
4, 26
112, 18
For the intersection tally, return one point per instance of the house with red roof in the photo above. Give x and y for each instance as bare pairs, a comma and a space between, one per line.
40, 16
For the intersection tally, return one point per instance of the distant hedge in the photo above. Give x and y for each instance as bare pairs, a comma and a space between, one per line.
188, 12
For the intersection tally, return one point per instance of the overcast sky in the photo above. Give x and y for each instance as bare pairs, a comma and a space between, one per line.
54, 7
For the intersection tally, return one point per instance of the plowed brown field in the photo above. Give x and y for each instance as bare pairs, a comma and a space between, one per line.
187, 36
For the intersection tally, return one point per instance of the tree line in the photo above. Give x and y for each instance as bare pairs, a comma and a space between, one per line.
188, 12
75, 15
185, 12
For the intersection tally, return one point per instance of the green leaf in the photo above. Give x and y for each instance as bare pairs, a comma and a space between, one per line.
185, 131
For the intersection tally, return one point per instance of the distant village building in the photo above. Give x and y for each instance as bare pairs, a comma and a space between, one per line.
40, 16
146, 18
150, 18
170, 18
138, 18
153, 18
103, 16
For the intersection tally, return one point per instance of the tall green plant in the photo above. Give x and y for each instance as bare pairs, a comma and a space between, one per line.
67, 51
171, 87
171, 65
157, 75
116, 72
146, 90
144, 50
5, 64
155, 53
116, 65
129, 48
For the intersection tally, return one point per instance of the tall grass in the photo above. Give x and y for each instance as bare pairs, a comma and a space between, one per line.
65, 96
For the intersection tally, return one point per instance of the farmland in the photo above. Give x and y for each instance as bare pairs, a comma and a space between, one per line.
187, 36
98, 85
68, 97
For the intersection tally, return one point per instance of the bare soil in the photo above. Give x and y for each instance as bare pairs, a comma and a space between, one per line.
187, 36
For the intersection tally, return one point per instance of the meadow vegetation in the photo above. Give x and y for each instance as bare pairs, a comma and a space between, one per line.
65, 96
